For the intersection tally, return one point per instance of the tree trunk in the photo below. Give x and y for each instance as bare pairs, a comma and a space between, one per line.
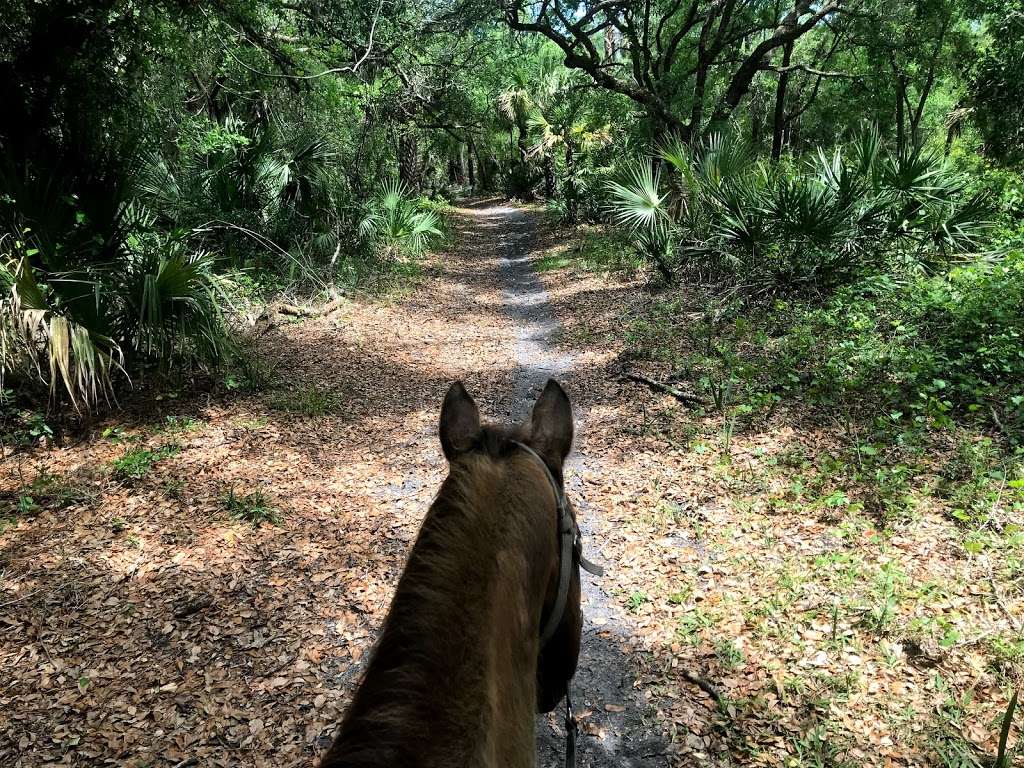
407, 159
469, 164
549, 175
901, 141
572, 205
521, 140
779, 124
755, 123
611, 43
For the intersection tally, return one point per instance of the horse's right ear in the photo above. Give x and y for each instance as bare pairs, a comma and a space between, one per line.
460, 421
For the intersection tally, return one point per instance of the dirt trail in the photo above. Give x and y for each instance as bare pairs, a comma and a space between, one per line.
140, 624
147, 620
605, 675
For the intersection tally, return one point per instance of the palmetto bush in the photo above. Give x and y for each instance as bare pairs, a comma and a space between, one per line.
159, 308
254, 193
395, 225
90, 290
803, 226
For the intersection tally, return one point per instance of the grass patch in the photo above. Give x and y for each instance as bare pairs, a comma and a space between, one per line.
593, 248
52, 490
137, 462
602, 249
636, 600
253, 508
312, 401
552, 262
182, 424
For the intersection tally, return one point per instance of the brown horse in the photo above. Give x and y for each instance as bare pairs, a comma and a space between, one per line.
459, 669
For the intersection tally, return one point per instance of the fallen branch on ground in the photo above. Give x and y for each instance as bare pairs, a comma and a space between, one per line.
297, 311
294, 310
193, 607
703, 684
683, 397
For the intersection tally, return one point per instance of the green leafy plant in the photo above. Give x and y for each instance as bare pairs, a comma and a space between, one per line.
797, 228
56, 491
137, 462
636, 600
1003, 751
253, 508
393, 223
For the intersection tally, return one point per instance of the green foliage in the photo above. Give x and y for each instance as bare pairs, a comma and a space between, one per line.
995, 88
76, 313
925, 342
396, 226
136, 463
253, 508
800, 227
596, 248
918, 350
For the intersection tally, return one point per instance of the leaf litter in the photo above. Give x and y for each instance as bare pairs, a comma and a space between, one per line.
140, 624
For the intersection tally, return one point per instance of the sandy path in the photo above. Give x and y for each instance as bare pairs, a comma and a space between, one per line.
105, 659
613, 736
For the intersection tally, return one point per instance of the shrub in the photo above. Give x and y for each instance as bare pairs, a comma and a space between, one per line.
395, 226
91, 290
803, 227
930, 341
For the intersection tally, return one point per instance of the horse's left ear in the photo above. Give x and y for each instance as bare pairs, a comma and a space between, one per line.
460, 421
551, 424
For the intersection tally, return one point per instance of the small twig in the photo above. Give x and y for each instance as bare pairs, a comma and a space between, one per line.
683, 397
21, 599
296, 311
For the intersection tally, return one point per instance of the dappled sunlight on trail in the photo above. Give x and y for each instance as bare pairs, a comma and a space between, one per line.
145, 620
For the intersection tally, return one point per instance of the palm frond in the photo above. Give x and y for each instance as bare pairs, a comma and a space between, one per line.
637, 202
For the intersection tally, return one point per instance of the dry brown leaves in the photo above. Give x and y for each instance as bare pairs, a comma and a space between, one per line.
143, 626
785, 611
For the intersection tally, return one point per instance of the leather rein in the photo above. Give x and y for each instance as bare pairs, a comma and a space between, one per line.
570, 555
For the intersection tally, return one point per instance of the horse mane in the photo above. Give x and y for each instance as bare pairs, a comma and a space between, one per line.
442, 606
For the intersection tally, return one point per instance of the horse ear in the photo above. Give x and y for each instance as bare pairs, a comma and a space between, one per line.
551, 424
460, 421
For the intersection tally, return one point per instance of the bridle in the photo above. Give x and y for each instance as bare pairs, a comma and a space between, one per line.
570, 555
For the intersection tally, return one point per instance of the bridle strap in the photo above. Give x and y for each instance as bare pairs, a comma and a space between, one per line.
570, 554
571, 730
566, 536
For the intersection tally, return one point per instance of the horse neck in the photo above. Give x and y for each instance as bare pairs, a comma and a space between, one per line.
453, 678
